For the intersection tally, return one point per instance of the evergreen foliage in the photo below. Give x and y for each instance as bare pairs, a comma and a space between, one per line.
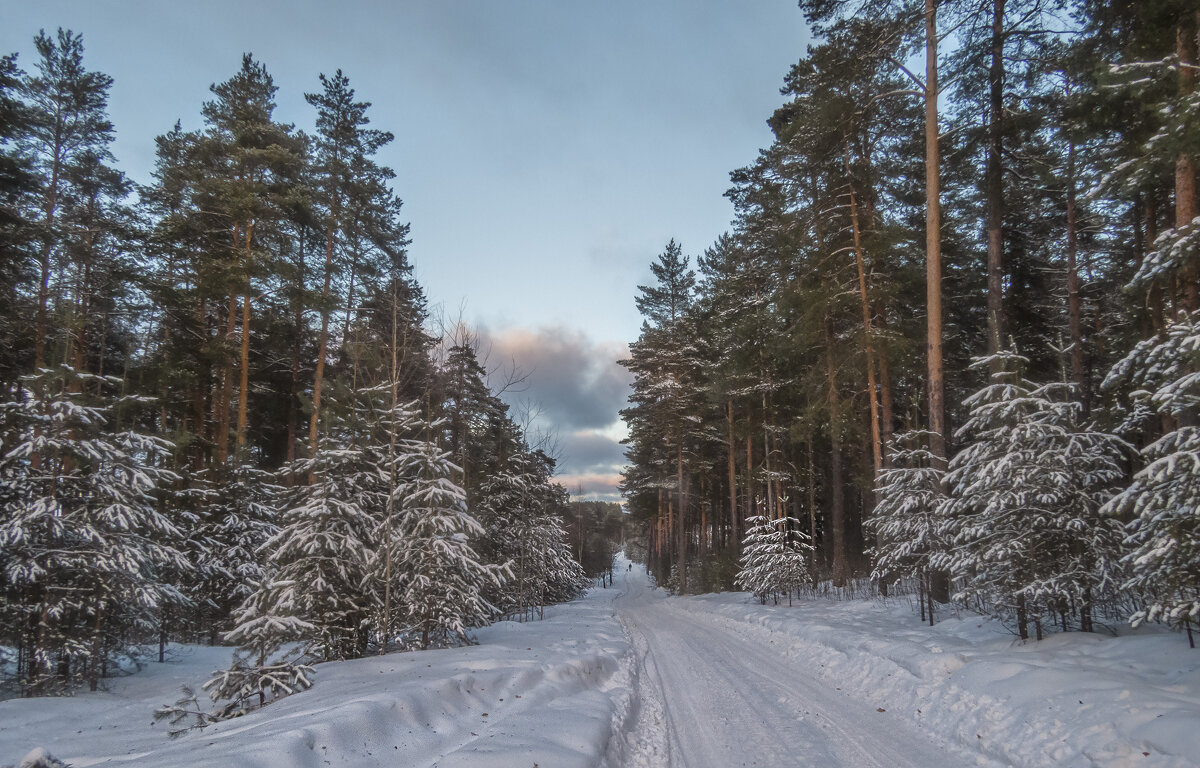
84, 546
774, 556
1162, 503
522, 515
260, 281
909, 520
1024, 520
442, 579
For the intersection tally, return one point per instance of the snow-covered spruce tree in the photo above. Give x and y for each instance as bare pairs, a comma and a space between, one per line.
556, 570
319, 564
323, 583
522, 514
1163, 501
774, 558
439, 576
84, 546
395, 433
238, 514
1026, 492
268, 663
909, 515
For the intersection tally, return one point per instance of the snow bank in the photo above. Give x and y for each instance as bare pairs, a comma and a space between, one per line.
545, 692
1071, 700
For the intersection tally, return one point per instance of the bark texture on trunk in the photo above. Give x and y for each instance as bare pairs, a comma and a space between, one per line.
837, 506
322, 347
1074, 291
733, 505
1185, 164
933, 244
995, 190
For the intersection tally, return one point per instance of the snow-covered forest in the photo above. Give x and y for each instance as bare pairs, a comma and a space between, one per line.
913, 447
226, 414
950, 343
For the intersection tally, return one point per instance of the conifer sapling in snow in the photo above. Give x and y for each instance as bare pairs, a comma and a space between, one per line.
1027, 489
774, 558
440, 576
909, 516
1163, 501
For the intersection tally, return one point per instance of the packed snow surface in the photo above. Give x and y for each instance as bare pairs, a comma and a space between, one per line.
729, 695
628, 676
543, 692
866, 683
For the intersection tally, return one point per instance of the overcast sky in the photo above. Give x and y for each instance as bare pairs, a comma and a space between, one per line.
546, 150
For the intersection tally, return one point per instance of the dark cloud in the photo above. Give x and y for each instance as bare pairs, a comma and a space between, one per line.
574, 380
590, 452
576, 387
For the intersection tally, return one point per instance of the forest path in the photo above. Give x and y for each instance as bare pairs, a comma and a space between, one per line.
716, 693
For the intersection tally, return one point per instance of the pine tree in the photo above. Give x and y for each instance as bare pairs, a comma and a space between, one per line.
664, 364
16, 234
347, 178
246, 163
67, 129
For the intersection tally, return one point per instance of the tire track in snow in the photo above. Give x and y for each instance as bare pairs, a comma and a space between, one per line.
712, 697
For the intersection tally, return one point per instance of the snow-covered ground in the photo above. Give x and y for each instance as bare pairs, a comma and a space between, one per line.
629, 676
545, 693
871, 675
727, 696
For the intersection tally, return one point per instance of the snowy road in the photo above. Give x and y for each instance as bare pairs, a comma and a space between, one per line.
716, 693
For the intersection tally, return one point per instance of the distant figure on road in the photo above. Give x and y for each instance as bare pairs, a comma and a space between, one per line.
630, 568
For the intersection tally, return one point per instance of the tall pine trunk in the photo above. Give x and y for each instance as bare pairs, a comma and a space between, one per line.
244, 371
1185, 164
225, 396
886, 407
49, 213
735, 539
1074, 298
293, 424
996, 322
837, 505
933, 244
939, 581
322, 344
868, 335
680, 522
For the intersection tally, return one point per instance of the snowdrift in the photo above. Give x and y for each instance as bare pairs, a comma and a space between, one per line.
544, 692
